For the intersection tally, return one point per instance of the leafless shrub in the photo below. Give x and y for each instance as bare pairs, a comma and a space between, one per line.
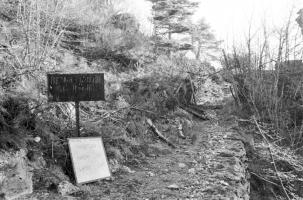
267, 82
31, 35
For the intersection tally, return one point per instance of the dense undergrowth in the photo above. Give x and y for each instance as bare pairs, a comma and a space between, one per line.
267, 81
273, 96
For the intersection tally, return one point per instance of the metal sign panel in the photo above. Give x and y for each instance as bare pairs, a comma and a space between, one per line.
89, 159
75, 87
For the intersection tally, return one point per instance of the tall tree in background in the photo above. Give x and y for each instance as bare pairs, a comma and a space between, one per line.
171, 17
300, 19
202, 39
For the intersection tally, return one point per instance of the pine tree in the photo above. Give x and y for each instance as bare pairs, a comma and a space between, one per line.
300, 19
202, 39
171, 17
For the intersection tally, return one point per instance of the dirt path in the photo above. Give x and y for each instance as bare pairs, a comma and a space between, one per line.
208, 169
181, 169
211, 168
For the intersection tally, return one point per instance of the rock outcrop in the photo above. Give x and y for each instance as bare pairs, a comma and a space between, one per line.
15, 175
212, 92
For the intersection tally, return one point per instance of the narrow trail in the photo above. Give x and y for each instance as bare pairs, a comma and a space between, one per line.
213, 167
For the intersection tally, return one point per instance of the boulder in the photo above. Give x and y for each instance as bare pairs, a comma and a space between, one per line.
66, 188
36, 160
15, 175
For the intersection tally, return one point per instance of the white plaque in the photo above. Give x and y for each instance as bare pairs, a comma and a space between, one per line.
89, 159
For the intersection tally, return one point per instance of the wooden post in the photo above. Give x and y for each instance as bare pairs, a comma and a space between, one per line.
75, 88
77, 117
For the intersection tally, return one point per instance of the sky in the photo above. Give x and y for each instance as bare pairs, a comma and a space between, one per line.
229, 19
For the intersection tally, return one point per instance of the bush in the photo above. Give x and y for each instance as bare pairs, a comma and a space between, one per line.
16, 122
152, 95
273, 95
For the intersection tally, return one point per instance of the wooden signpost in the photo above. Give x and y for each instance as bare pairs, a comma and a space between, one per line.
75, 87
87, 154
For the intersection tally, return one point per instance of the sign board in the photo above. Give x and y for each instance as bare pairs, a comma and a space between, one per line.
89, 159
75, 87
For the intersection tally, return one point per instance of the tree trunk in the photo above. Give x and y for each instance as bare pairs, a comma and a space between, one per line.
198, 51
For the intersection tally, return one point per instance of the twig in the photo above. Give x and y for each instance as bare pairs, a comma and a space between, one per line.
266, 180
193, 112
234, 95
158, 133
193, 98
180, 130
52, 149
178, 88
206, 75
272, 157
139, 109
111, 112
